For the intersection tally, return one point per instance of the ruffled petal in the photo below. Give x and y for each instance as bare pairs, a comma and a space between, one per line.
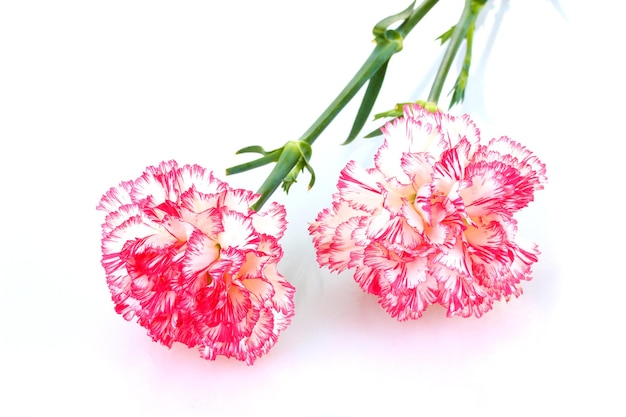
359, 188
185, 255
271, 220
432, 221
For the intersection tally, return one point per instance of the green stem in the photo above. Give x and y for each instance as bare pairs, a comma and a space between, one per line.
460, 30
380, 56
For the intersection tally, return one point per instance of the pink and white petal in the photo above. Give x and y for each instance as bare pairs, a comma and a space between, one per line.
238, 231
224, 338
459, 291
200, 178
508, 284
488, 241
208, 221
323, 230
504, 150
371, 280
281, 320
418, 167
207, 299
447, 265
417, 131
126, 306
476, 305
417, 274
282, 300
153, 185
161, 328
457, 129
237, 200
161, 302
465, 151
448, 166
260, 290
176, 230
388, 161
196, 202
151, 267
135, 227
394, 233
116, 197
261, 339
342, 245
413, 217
228, 264
395, 196
271, 220
462, 296
236, 308
253, 265
492, 185
517, 155
360, 189
517, 188
387, 263
116, 218
410, 303
201, 253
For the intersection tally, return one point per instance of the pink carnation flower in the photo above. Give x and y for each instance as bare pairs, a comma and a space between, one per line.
186, 256
432, 221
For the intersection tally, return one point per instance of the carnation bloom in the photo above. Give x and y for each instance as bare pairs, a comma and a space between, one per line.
186, 256
432, 222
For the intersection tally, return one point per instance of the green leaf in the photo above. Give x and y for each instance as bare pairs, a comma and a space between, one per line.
458, 91
312, 173
252, 149
269, 158
374, 133
397, 111
373, 88
446, 35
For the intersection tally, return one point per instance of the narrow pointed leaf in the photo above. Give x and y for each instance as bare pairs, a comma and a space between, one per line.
252, 149
397, 111
312, 173
269, 158
460, 84
371, 94
374, 133
446, 35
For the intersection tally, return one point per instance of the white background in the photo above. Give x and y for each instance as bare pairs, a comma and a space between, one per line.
93, 92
